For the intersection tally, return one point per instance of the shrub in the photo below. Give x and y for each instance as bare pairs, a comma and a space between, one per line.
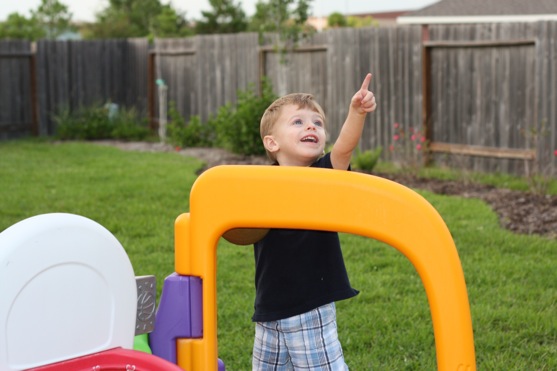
366, 161
192, 134
539, 173
85, 123
100, 122
237, 128
407, 148
128, 125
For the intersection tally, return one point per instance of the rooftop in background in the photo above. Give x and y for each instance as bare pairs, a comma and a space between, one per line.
481, 11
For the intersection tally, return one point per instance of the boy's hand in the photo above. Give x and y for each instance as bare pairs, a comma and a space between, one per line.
364, 100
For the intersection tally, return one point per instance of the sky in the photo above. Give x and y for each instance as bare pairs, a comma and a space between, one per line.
85, 10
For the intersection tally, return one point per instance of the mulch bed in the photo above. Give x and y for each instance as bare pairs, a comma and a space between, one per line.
520, 212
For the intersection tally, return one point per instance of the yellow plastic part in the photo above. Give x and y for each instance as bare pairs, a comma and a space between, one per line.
189, 354
227, 197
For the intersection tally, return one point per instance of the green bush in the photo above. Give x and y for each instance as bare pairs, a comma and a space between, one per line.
237, 129
192, 134
85, 123
366, 161
97, 122
128, 125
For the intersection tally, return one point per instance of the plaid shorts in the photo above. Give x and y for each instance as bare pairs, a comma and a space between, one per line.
308, 341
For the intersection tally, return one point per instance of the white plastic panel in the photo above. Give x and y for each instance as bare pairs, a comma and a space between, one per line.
67, 289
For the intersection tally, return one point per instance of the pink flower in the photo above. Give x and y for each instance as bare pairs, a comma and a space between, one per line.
396, 137
422, 139
391, 148
418, 147
555, 153
396, 125
413, 137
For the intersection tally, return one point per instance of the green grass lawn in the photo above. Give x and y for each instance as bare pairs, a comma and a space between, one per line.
511, 279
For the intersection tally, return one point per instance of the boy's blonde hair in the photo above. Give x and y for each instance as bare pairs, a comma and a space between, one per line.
272, 113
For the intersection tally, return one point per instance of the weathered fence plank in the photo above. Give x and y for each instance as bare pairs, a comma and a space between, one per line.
175, 63
16, 90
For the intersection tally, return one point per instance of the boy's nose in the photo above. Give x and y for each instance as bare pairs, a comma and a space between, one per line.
311, 126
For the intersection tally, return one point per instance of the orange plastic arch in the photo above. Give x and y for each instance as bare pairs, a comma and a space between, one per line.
227, 197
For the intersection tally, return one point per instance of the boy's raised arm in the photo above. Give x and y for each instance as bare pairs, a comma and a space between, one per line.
362, 102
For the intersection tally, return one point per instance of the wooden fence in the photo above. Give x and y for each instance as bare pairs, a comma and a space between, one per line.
484, 95
75, 74
492, 95
17, 90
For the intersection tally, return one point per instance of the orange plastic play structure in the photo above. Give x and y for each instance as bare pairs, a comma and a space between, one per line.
227, 197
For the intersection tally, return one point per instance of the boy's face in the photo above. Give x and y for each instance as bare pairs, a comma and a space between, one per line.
298, 137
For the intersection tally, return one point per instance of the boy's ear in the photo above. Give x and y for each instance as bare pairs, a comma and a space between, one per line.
270, 143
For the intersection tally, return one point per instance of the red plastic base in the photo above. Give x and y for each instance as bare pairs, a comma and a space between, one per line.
113, 360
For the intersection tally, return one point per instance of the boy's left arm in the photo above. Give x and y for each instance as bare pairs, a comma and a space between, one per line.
362, 102
245, 236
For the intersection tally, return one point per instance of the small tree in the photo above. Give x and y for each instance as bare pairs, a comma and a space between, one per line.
287, 18
125, 18
54, 17
226, 17
170, 23
359, 22
138, 18
17, 26
336, 20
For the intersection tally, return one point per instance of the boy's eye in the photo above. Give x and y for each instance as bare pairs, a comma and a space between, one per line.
318, 123
298, 122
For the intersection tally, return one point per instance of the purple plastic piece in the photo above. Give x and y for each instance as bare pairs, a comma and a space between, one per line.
196, 307
179, 315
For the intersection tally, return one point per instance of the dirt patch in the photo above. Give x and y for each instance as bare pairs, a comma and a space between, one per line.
520, 212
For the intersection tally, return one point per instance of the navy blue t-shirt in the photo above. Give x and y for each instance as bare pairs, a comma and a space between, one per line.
298, 270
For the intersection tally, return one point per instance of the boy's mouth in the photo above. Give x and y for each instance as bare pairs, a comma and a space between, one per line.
310, 139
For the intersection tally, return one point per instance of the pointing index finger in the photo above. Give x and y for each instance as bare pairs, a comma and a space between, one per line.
367, 80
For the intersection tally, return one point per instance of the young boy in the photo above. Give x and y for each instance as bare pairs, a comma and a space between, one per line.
301, 273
